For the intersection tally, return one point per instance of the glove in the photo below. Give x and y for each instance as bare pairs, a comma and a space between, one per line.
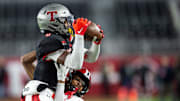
97, 42
61, 72
80, 26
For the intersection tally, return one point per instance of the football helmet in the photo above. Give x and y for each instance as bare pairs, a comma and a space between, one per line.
55, 18
85, 75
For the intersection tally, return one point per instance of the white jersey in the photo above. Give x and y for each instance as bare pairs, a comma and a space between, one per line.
30, 92
73, 98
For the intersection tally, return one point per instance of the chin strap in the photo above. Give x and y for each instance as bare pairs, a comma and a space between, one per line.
71, 93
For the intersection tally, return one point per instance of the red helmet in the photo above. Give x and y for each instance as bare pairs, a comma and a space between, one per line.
85, 75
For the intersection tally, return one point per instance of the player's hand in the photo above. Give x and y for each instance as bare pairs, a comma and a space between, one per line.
97, 42
80, 26
61, 69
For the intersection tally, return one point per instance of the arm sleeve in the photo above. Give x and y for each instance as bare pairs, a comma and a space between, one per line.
59, 96
76, 58
93, 53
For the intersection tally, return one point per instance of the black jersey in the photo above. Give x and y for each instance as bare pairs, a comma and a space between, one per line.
45, 70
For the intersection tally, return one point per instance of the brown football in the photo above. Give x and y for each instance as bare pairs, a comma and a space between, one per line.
92, 30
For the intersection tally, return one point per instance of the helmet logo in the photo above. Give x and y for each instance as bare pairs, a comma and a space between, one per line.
52, 14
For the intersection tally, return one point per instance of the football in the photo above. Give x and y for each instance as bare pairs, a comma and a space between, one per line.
93, 30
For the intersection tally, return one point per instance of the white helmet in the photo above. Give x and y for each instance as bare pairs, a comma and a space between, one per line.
52, 18
85, 75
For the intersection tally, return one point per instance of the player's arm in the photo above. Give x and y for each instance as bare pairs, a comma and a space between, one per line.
61, 75
75, 59
60, 92
92, 54
27, 62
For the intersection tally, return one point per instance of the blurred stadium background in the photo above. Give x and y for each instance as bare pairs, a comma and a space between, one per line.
139, 55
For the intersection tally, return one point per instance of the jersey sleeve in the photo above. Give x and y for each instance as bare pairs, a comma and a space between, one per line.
48, 45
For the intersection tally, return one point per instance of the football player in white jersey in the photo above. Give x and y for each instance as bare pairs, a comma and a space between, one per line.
76, 85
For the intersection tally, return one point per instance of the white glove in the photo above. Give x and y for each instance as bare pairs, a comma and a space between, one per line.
61, 71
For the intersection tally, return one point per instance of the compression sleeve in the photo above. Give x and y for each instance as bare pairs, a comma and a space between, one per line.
93, 53
60, 92
76, 58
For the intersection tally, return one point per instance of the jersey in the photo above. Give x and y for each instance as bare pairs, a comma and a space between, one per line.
73, 98
45, 70
49, 96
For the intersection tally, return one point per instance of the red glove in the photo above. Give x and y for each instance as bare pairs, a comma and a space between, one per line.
80, 25
97, 42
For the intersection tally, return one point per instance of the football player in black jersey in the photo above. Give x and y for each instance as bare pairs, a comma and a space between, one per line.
56, 54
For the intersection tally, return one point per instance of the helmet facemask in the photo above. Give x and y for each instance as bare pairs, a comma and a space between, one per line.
61, 26
71, 87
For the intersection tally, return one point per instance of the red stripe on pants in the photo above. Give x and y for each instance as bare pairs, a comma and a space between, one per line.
53, 96
23, 98
35, 98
